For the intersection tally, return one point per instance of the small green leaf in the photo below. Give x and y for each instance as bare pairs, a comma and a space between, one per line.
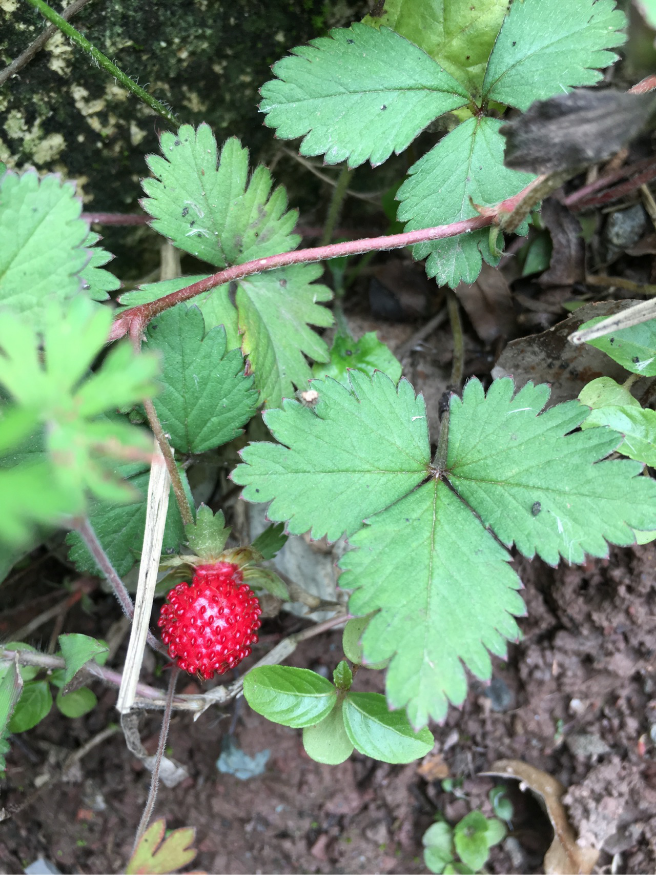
605, 392
43, 237
380, 733
501, 804
466, 167
77, 703
546, 47
438, 846
208, 535
11, 686
327, 741
34, 704
359, 94
294, 697
351, 642
31, 496
459, 36
470, 838
496, 831
77, 650
98, 282
638, 427
367, 355
156, 855
343, 676
206, 397
537, 255
356, 452
271, 541
276, 310
634, 348
215, 212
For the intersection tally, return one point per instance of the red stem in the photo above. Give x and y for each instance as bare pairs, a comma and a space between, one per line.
614, 194
116, 218
133, 321
572, 200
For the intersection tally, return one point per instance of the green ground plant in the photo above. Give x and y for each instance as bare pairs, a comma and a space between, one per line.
429, 530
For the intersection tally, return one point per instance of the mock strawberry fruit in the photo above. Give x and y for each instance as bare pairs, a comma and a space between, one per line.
209, 626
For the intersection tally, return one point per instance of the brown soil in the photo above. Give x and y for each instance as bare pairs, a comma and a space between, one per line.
577, 699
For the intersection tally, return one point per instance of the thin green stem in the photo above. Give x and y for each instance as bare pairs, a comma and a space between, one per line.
336, 203
76, 37
458, 366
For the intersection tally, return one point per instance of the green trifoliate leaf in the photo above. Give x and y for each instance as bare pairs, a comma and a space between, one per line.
546, 47
459, 36
470, 837
355, 453
11, 686
327, 741
208, 535
42, 253
438, 847
206, 397
275, 311
34, 704
96, 281
271, 541
367, 355
294, 697
77, 650
538, 486
637, 425
120, 528
212, 210
466, 166
634, 348
444, 593
77, 703
380, 733
605, 392
357, 95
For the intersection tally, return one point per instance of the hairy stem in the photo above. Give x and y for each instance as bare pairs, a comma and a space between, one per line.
134, 320
86, 531
336, 203
33, 49
167, 452
76, 37
163, 735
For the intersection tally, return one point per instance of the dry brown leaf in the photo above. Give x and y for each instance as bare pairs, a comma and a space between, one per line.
433, 767
568, 255
565, 856
488, 303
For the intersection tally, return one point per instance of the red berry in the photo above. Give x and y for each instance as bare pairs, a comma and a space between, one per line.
210, 625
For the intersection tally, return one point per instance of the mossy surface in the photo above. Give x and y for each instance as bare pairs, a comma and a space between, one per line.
205, 58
